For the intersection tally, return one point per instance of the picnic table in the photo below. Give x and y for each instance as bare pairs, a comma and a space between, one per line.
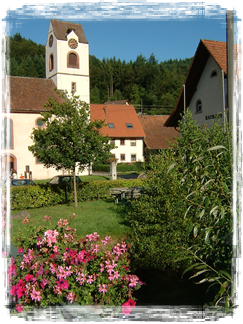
125, 193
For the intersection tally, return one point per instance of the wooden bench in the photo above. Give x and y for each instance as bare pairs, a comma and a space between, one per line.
125, 193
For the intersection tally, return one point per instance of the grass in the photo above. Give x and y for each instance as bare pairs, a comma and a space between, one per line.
99, 216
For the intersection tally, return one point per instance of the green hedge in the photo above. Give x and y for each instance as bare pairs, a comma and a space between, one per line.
28, 197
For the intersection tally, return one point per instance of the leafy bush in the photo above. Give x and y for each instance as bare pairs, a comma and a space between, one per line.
49, 195
194, 203
159, 230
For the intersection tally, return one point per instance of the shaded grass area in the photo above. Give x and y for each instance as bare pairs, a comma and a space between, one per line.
83, 178
103, 217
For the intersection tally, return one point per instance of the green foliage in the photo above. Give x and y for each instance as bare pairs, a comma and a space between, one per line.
51, 195
145, 82
186, 211
159, 230
204, 158
69, 138
26, 57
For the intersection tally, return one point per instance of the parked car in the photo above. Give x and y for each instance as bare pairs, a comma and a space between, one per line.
63, 179
22, 182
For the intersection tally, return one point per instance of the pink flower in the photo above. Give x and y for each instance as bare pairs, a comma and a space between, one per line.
62, 284
21, 250
44, 283
126, 309
26, 220
19, 308
103, 290
116, 274
28, 277
55, 248
90, 279
12, 290
65, 222
35, 295
127, 306
70, 296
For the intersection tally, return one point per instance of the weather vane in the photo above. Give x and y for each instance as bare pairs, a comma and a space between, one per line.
55, 12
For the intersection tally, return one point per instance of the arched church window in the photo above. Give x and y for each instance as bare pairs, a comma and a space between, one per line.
73, 60
51, 63
7, 136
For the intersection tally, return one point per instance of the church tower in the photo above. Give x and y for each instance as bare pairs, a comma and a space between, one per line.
67, 58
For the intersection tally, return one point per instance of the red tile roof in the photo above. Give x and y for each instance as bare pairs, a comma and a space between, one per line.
60, 30
119, 115
30, 94
218, 50
157, 136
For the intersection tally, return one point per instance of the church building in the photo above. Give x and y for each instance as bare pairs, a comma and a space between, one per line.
67, 68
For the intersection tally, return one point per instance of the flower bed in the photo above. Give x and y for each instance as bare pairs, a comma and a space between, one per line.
55, 267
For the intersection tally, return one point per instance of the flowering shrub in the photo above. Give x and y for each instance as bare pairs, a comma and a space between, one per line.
57, 267
4, 215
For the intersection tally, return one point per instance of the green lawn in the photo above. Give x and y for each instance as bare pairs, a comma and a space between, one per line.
102, 217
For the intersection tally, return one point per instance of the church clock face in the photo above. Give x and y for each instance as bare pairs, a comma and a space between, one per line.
72, 43
50, 41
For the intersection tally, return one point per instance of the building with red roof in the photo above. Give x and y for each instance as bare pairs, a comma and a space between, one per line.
124, 129
205, 88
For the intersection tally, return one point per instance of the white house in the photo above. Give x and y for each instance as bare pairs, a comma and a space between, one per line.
124, 129
205, 87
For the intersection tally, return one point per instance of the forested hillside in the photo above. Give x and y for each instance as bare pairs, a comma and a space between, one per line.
151, 86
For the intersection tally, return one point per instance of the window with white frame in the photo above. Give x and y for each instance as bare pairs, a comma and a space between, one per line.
133, 142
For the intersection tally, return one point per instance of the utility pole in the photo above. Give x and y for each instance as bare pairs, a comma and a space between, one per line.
230, 61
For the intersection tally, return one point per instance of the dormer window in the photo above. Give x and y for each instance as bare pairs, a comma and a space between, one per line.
69, 30
213, 74
129, 125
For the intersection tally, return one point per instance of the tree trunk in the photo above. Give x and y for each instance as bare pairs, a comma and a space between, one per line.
75, 189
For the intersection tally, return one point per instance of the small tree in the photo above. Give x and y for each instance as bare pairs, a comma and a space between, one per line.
69, 138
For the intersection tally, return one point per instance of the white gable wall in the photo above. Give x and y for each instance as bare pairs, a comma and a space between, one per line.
210, 92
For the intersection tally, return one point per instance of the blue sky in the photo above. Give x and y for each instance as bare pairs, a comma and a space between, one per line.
169, 30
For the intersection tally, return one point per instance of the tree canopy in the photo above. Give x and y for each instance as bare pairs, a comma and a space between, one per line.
68, 138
